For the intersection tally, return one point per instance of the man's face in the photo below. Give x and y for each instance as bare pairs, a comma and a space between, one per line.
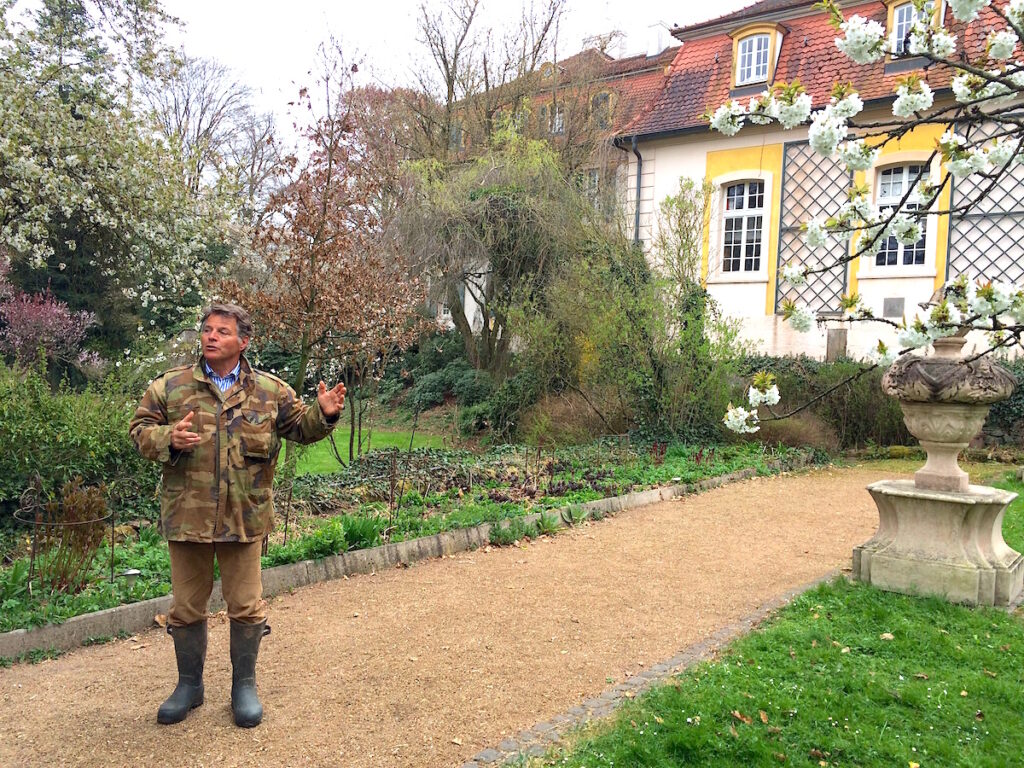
221, 344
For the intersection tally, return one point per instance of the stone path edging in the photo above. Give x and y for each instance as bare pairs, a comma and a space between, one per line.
137, 617
536, 741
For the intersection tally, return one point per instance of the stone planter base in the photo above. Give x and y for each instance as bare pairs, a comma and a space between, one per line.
941, 543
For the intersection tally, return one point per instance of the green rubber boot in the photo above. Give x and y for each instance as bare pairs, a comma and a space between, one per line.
190, 652
245, 647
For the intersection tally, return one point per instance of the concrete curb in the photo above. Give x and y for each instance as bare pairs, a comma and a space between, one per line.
543, 737
137, 617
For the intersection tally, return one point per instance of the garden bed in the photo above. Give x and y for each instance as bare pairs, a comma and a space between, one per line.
317, 552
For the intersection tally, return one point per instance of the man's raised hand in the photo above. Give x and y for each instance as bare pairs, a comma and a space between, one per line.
331, 400
181, 438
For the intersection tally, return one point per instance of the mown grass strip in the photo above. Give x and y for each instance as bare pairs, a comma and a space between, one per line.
318, 458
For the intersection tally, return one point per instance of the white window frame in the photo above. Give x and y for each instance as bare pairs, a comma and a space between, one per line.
557, 120
909, 16
601, 109
752, 55
716, 236
868, 269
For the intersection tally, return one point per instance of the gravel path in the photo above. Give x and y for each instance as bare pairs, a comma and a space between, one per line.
430, 664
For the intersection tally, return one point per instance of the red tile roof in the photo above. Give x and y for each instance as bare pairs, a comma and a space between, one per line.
745, 14
701, 74
635, 80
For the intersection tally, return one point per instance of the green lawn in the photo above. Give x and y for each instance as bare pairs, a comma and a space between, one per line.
1013, 523
319, 459
846, 675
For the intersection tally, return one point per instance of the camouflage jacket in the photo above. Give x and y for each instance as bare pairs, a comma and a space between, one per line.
221, 490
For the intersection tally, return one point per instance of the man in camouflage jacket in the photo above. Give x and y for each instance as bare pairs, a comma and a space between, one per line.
216, 429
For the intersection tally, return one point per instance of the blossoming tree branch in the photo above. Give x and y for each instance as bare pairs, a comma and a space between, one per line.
987, 85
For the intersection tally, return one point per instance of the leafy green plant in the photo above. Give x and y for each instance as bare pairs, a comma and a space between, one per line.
362, 532
60, 434
574, 515
1007, 416
516, 530
472, 387
859, 413
329, 538
547, 525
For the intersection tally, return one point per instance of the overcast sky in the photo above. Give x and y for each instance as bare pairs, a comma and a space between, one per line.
271, 44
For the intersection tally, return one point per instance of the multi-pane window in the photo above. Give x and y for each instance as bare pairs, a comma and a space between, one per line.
752, 60
600, 109
743, 226
558, 120
893, 184
903, 18
592, 185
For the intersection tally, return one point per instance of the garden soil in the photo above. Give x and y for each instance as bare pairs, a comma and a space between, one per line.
427, 665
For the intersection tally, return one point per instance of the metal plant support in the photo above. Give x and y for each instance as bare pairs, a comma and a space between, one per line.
811, 187
48, 530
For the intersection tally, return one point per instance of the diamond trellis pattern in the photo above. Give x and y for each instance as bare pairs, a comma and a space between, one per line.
812, 186
987, 240
988, 246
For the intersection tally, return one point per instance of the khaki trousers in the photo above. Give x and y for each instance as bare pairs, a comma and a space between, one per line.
192, 581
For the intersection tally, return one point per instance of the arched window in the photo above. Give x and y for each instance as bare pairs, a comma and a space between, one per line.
752, 59
743, 226
903, 17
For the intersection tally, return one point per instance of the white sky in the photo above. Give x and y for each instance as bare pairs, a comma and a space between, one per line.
271, 44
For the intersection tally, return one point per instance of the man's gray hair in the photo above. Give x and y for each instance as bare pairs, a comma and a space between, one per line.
231, 310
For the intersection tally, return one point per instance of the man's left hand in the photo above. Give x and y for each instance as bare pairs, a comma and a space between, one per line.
331, 400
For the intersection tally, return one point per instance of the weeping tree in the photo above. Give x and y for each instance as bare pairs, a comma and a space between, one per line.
490, 235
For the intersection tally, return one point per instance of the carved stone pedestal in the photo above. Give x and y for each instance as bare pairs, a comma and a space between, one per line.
941, 543
937, 534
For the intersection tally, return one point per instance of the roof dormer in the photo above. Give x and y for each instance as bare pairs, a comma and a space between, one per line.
755, 54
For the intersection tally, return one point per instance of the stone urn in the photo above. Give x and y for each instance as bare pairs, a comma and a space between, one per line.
945, 401
938, 534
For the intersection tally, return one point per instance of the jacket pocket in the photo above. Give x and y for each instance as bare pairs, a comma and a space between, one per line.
256, 434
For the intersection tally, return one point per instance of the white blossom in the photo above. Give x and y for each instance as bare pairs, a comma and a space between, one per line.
762, 109
967, 10
964, 88
792, 115
1001, 44
906, 229
1015, 12
881, 355
1000, 151
944, 320
728, 118
913, 337
863, 40
826, 132
816, 234
856, 155
908, 101
801, 319
926, 39
740, 420
794, 274
1016, 310
848, 106
971, 161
